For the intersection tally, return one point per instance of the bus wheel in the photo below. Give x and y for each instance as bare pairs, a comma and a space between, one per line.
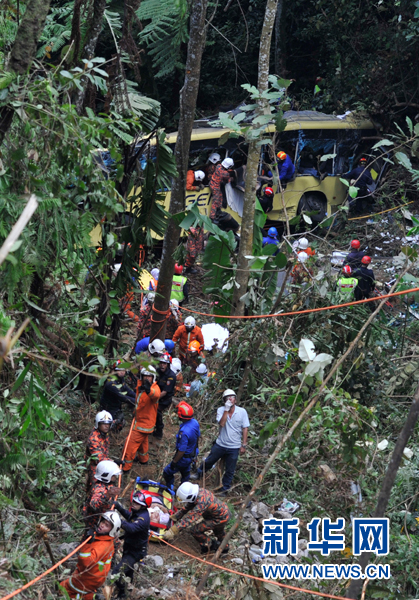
313, 201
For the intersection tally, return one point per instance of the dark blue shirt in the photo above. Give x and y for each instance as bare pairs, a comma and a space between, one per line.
286, 169
187, 437
136, 526
354, 258
269, 240
142, 345
364, 175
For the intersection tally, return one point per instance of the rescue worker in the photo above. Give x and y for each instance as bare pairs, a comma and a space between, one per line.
194, 355
115, 392
148, 394
177, 370
231, 442
136, 527
152, 286
173, 321
97, 447
156, 348
346, 285
144, 324
185, 334
355, 256
180, 288
102, 494
286, 168
198, 384
366, 279
301, 273
143, 345
126, 308
187, 439
94, 561
194, 246
301, 245
166, 380
195, 180
213, 160
220, 178
271, 238
361, 178
203, 512
267, 200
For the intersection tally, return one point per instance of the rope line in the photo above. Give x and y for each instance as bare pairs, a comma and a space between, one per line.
382, 212
271, 582
303, 312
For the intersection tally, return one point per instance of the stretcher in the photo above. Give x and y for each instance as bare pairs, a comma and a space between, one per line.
162, 498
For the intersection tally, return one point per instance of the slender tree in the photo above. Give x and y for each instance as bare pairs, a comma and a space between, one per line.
246, 239
188, 96
23, 51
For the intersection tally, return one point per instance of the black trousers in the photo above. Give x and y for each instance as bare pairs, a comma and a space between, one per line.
163, 406
130, 556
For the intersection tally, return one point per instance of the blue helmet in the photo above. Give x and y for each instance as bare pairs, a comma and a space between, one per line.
170, 345
273, 232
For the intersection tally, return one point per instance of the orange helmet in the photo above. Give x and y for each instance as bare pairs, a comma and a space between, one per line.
347, 270
184, 411
178, 269
194, 346
281, 155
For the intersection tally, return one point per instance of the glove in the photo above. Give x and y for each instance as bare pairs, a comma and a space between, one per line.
91, 532
118, 506
146, 387
227, 405
173, 465
175, 517
170, 534
200, 186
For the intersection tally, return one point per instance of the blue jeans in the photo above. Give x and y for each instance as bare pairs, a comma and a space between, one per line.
230, 456
183, 466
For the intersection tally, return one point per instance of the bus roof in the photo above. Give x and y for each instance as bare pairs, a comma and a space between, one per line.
305, 119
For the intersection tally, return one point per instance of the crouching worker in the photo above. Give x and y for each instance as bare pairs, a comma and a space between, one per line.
203, 512
135, 548
94, 560
187, 439
102, 494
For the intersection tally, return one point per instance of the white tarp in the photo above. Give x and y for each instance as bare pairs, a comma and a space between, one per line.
215, 333
235, 199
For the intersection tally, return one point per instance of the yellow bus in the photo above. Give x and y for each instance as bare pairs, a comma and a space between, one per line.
308, 136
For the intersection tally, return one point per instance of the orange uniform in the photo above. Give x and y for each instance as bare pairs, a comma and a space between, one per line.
308, 251
144, 423
125, 304
92, 568
185, 337
190, 180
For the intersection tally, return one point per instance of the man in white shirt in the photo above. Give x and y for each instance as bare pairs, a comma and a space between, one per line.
231, 441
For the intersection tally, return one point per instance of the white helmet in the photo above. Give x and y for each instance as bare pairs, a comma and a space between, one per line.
156, 347
149, 371
151, 296
105, 470
229, 393
176, 366
190, 322
303, 243
155, 273
112, 517
199, 175
302, 257
227, 163
103, 417
201, 369
214, 158
187, 492
174, 304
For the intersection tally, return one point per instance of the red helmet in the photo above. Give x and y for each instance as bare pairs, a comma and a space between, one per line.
281, 155
363, 159
366, 260
269, 191
116, 366
184, 411
139, 498
347, 270
355, 244
178, 269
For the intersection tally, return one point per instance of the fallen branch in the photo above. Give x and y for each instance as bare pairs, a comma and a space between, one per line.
18, 227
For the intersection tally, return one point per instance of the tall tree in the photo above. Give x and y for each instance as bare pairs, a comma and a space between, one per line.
188, 96
246, 239
23, 51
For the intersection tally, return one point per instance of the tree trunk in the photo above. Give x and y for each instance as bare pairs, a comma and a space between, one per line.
278, 44
90, 45
389, 479
23, 50
246, 234
188, 96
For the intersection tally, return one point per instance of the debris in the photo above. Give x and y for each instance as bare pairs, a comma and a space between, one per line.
256, 537
288, 506
237, 561
327, 473
259, 510
65, 549
153, 560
